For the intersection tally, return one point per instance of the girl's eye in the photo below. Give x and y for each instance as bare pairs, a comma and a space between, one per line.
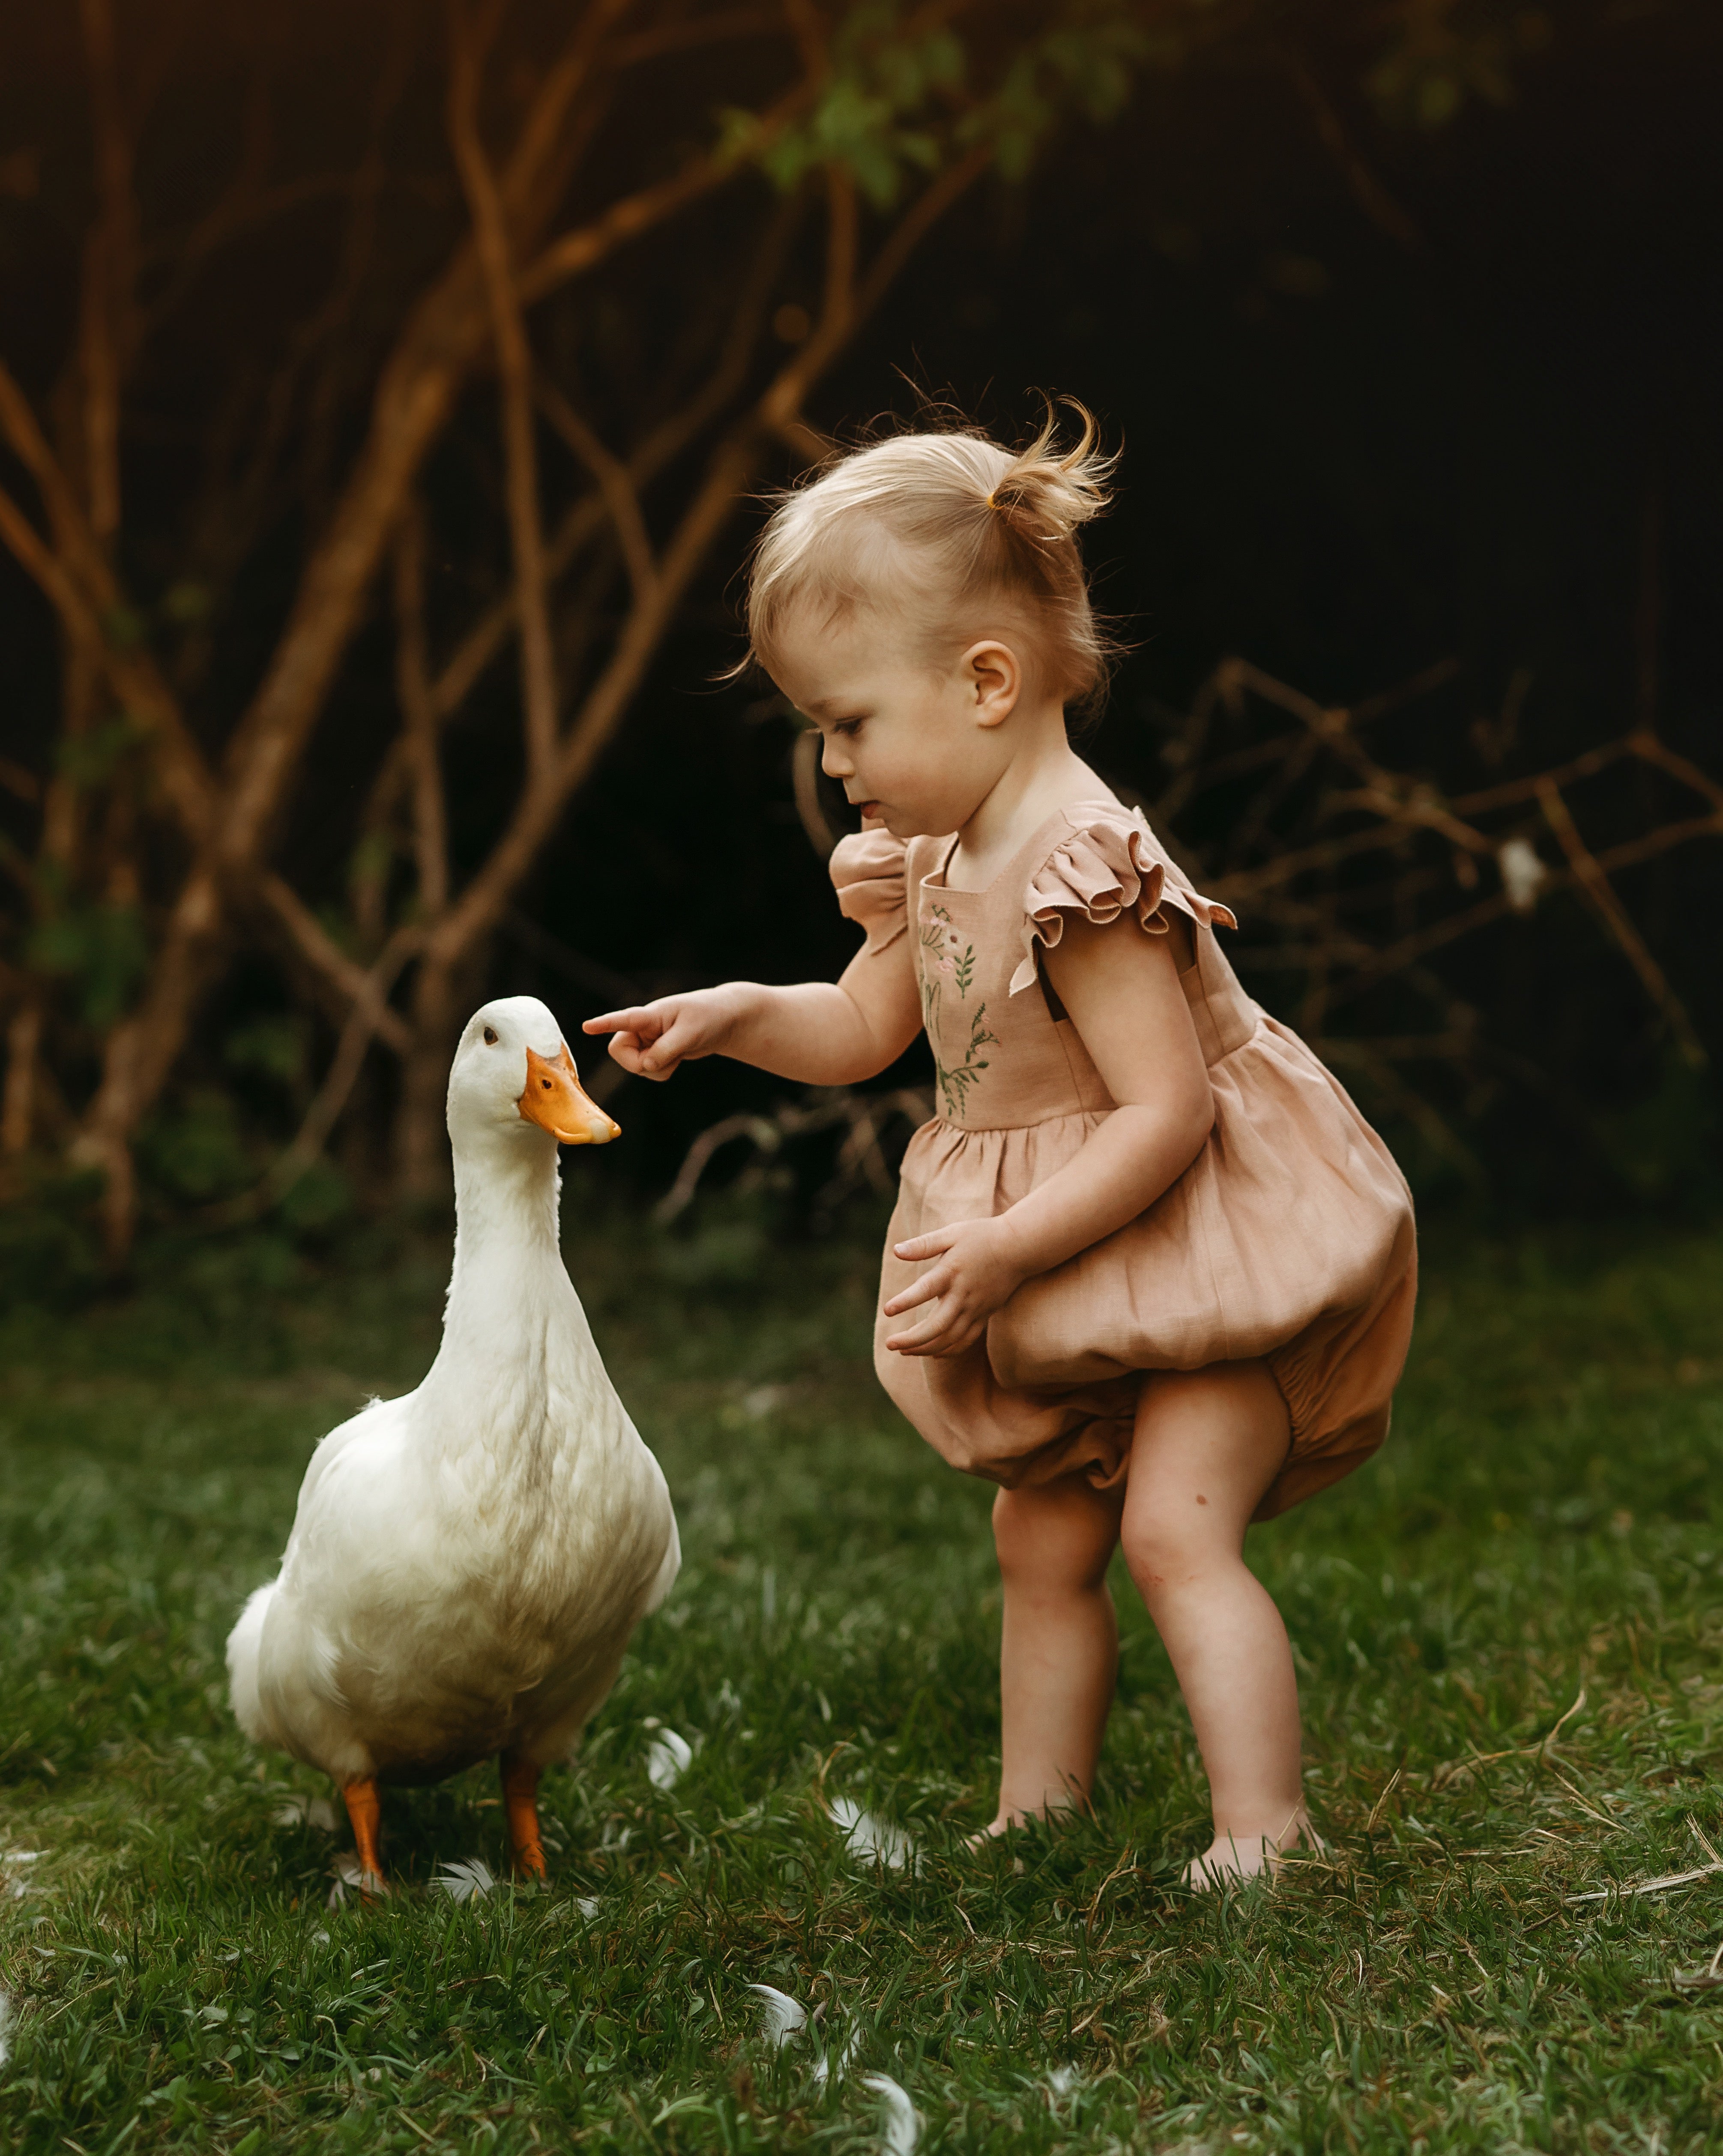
847, 726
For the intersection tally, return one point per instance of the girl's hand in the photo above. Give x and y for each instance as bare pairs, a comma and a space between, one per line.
652, 1039
978, 1271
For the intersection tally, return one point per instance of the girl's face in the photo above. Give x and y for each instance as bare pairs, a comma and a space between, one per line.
917, 747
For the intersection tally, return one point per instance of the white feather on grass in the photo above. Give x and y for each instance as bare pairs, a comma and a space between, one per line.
306, 1811
587, 1904
785, 2017
5, 2020
667, 1758
470, 1880
350, 1873
903, 2122
834, 2065
873, 1840
16, 1885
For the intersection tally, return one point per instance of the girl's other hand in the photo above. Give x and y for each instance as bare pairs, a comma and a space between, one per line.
652, 1039
978, 1271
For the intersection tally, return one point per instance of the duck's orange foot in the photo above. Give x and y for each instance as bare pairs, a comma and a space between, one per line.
365, 1810
520, 1779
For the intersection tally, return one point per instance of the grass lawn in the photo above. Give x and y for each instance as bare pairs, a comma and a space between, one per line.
1545, 1523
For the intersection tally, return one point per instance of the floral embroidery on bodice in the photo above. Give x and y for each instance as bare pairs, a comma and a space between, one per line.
956, 1024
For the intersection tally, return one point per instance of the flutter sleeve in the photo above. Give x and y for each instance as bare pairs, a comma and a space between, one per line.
1110, 864
868, 874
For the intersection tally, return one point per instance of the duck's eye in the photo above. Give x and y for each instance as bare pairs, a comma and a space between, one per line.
491, 1036
546, 1083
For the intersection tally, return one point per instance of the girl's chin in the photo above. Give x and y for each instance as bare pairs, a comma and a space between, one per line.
902, 823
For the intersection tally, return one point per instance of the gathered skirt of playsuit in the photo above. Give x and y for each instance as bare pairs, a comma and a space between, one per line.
1288, 1239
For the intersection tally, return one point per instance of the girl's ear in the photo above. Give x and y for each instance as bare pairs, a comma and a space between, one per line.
995, 677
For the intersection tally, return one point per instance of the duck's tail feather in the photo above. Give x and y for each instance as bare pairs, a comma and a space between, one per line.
244, 1644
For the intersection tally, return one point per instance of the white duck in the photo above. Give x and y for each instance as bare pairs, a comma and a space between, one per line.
467, 1563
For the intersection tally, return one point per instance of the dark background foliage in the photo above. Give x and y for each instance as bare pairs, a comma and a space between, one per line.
1399, 379
1345, 457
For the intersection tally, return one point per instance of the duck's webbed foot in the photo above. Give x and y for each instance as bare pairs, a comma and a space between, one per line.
520, 1779
365, 1810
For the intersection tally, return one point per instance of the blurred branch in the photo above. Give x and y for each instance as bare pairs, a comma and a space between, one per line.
863, 1117
1596, 887
661, 445
338, 974
1368, 191
75, 577
363, 1024
1296, 874
514, 358
620, 497
106, 326
805, 753
419, 732
727, 475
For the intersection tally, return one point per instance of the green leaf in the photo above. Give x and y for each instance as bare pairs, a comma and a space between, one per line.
273, 1045
198, 1153
103, 948
125, 628
87, 759
187, 603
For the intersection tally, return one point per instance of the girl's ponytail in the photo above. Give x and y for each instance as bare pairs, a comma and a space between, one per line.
948, 531
1045, 499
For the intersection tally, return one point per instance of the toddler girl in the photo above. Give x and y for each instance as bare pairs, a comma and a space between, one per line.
1150, 1270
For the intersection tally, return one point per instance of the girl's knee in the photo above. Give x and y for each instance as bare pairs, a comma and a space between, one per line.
1153, 1553
1164, 1553
1055, 1536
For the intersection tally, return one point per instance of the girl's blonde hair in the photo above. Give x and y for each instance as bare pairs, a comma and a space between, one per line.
946, 529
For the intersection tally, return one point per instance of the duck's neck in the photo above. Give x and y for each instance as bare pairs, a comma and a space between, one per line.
508, 1289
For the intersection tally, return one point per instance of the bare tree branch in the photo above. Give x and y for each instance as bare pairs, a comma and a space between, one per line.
109, 268
85, 592
660, 447
419, 714
326, 959
1597, 888
1368, 192
621, 499
364, 1022
514, 356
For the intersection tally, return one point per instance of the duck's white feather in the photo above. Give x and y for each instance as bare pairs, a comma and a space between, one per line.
467, 1563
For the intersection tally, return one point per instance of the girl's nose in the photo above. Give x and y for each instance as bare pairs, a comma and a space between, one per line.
832, 761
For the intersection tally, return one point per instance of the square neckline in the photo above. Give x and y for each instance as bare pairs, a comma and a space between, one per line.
981, 890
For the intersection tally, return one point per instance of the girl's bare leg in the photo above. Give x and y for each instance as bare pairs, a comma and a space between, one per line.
1059, 1651
1208, 1444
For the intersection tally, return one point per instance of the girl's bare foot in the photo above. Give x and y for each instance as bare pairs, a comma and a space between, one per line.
1003, 1824
1249, 1856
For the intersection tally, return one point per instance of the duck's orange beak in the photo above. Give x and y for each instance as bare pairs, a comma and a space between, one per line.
554, 1101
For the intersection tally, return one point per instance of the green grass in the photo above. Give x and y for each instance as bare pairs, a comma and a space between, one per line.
1544, 1519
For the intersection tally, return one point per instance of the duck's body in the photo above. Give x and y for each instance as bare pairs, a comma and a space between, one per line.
467, 1563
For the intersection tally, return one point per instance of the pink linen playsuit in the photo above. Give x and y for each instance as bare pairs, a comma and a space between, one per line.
1290, 1237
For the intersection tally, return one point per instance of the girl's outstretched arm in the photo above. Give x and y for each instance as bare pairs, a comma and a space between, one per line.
1121, 989
820, 1033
